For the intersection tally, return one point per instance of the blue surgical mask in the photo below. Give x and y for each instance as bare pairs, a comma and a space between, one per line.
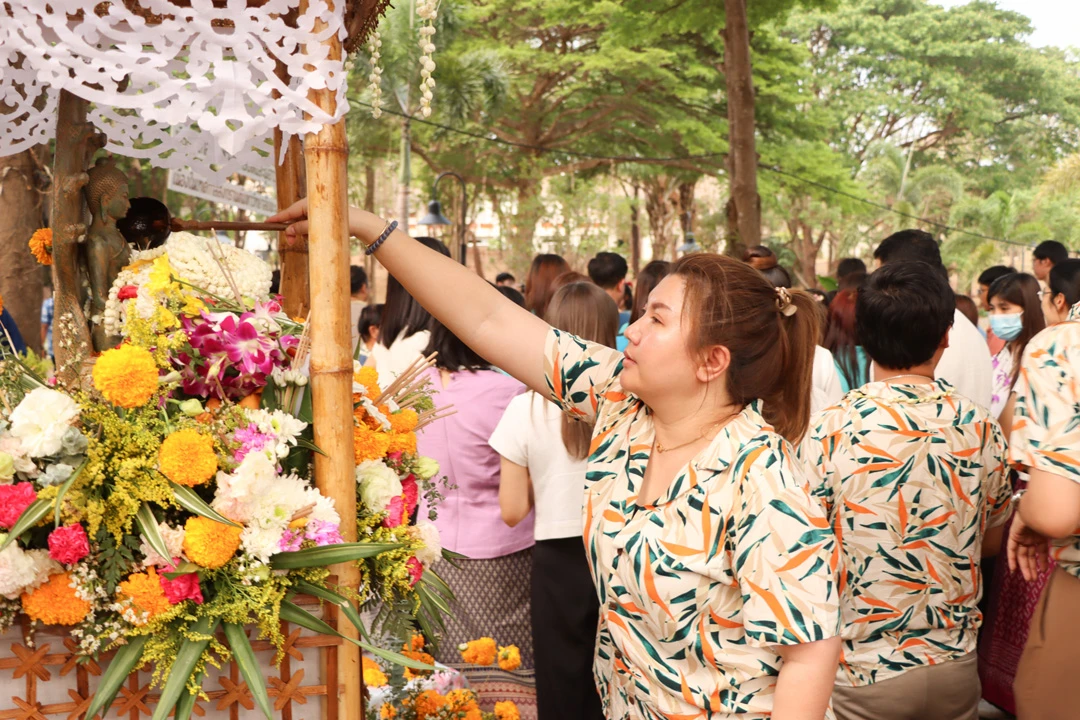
1007, 327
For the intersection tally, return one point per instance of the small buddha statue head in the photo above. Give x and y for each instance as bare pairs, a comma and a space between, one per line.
106, 192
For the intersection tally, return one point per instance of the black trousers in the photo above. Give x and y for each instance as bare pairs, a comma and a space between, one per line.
564, 616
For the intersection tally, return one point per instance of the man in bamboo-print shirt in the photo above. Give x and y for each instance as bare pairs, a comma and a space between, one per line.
914, 479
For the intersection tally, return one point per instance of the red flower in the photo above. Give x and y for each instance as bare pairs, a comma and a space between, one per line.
128, 292
181, 588
395, 512
68, 544
13, 500
412, 494
416, 570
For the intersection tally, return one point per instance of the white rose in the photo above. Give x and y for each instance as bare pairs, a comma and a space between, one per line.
378, 484
22, 570
41, 420
429, 535
174, 543
426, 468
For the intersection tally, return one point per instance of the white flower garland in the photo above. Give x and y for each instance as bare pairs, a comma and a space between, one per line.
376, 75
427, 10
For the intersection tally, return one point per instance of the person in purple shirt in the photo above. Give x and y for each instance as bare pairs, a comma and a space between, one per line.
491, 586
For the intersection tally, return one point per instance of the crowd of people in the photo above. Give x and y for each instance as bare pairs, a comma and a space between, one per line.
704, 493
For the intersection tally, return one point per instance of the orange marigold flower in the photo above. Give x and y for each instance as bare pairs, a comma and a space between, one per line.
126, 376
145, 593
404, 421
423, 657
368, 444
370, 419
509, 658
416, 642
41, 245
464, 704
402, 442
187, 457
55, 602
369, 378
387, 712
506, 710
209, 543
1, 303
427, 704
373, 673
478, 652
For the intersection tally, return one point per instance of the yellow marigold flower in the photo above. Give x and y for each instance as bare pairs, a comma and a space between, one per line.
416, 643
193, 305
427, 704
369, 378
55, 602
402, 442
209, 543
370, 419
478, 652
463, 703
509, 658
373, 674
161, 275
506, 710
145, 593
387, 712
41, 245
404, 421
126, 376
419, 657
187, 457
368, 444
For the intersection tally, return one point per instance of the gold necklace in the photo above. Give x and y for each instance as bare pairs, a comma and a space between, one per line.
659, 446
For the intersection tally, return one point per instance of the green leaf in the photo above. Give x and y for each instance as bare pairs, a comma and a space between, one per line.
183, 665
186, 703
127, 658
249, 667
63, 491
184, 568
30, 517
190, 501
341, 601
308, 445
329, 555
298, 616
148, 526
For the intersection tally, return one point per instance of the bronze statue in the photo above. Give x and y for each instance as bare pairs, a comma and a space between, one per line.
107, 252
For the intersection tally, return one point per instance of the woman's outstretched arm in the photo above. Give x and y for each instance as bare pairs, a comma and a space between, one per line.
506, 335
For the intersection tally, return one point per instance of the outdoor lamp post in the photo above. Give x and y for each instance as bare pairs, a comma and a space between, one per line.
435, 217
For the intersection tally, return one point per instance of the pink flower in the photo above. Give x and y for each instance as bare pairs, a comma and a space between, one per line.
322, 533
395, 512
291, 540
394, 456
181, 588
412, 494
251, 440
13, 500
416, 570
68, 544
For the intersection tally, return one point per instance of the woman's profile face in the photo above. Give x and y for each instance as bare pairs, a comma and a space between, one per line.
658, 362
1054, 308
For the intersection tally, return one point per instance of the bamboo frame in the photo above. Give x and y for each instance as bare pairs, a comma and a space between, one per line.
291, 186
326, 158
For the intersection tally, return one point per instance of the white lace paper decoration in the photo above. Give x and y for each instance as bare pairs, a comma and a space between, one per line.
184, 91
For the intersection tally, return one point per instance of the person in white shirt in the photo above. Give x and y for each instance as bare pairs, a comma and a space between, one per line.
825, 390
543, 469
966, 362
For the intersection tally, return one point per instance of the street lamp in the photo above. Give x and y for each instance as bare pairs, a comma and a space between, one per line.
435, 216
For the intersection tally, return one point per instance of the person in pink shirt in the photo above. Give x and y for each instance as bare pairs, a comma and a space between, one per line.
491, 586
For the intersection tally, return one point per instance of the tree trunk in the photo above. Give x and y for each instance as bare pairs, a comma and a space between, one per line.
406, 177
635, 231
658, 206
526, 216
291, 186
744, 203
20, 275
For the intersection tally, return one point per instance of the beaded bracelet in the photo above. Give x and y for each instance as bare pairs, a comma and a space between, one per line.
382, 238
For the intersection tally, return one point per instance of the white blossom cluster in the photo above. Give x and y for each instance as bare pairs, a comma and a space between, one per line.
427, 10
375, 78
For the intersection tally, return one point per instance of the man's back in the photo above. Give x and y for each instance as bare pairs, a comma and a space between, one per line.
966, 362
912, 475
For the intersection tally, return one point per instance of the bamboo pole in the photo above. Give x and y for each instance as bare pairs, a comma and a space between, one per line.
326, 156
291, 186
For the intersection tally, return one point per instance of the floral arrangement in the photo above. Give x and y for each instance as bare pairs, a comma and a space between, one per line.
172, 496
413, 696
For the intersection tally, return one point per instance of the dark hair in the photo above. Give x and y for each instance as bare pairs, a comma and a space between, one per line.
759, 257
585, 310
607, 269
841, 338
453, 354
275, 282
990, 274
778, 276
772, 354
402, 313
570, 276
357, 279
1022, 290
1065, 280
649, 277
504, 277
851, 281
848, 266
1051, 250
538, 291
511, 294
902, 314
967, 306
910, 246
370, 317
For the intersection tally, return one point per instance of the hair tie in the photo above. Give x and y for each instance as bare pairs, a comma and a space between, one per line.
783, 302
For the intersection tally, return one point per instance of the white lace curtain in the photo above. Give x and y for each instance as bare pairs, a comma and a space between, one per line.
196, 86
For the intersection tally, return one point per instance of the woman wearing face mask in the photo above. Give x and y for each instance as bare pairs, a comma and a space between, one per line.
1062, 292
714, 566
1015, 316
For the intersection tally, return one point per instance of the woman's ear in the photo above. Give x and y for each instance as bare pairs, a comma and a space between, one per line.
715, 363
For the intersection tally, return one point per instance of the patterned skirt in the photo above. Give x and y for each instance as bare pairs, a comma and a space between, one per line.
492, 600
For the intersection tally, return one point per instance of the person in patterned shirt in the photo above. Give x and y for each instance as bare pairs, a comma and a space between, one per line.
714, 564
914, 478
1046, 440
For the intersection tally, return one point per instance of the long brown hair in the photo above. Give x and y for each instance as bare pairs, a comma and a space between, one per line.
649, 277
585, 310
538, 283
1021, 290
730, 303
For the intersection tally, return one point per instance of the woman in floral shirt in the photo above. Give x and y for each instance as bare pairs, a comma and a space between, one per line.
714, 566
